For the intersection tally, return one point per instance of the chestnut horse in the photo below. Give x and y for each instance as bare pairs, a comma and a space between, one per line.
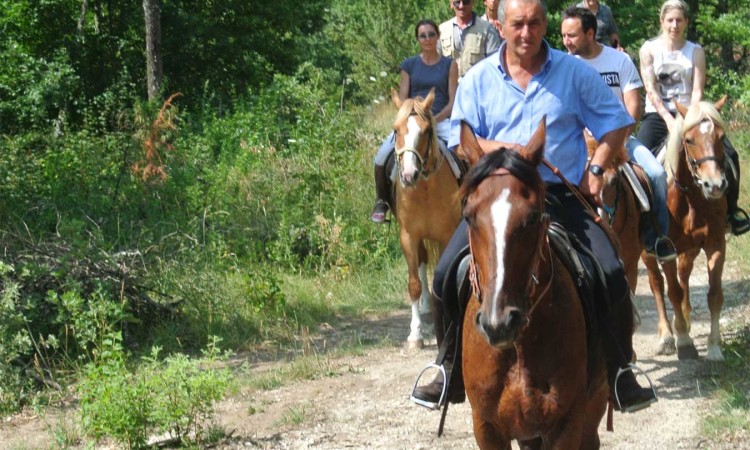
621, 209
427, 207
698, 209
524, 334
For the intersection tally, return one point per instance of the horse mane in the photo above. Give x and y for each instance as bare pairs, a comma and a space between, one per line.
501, 158
696, 114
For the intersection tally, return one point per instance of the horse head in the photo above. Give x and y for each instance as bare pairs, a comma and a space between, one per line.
416, 140
699, 133
504, 208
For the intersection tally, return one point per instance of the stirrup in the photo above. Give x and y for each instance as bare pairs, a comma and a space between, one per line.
443, 394
637, 407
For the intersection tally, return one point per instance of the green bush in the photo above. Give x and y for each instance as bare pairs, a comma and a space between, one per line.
174, 395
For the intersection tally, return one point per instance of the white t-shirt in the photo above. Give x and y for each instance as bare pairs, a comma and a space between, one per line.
617, 70
674, 73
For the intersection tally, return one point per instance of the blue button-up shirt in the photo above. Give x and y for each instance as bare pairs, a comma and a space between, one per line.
568, 91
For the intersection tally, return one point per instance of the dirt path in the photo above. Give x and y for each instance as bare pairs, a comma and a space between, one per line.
365, 405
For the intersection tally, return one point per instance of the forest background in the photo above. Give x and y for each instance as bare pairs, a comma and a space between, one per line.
214, 190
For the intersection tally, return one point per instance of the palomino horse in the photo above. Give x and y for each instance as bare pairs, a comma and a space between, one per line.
427, 206
695, 168
524, 334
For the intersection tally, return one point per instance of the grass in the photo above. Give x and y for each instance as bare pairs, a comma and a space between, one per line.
730, 419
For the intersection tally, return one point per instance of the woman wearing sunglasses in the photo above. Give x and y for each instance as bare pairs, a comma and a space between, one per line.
419, 73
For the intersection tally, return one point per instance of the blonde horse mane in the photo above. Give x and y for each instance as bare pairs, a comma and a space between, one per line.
695, 115
417, 105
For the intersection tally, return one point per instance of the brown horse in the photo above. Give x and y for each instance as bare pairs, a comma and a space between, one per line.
698, 210
427, 206
524, 336
622, 210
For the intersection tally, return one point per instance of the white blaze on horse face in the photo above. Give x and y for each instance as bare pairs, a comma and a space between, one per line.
411, 140
500, 215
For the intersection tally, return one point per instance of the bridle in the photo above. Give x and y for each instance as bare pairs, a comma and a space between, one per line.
432, 147
532, 293
693, 164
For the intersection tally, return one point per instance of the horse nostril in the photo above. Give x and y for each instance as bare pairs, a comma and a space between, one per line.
514, 318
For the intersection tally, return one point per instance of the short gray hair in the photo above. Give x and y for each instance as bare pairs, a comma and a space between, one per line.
501, 8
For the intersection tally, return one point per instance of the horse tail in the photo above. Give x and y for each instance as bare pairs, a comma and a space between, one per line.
433, 253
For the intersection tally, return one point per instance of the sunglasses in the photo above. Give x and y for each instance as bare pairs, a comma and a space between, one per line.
429, 35
457, 3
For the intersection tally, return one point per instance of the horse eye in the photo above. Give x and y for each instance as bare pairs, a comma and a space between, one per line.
690, 141
533, 218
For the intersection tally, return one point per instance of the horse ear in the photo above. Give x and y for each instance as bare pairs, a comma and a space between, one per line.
534, 150
395, 99
682, 109
470, 147
427, 104
721, 102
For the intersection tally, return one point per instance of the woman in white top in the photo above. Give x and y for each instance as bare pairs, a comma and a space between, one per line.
674, 68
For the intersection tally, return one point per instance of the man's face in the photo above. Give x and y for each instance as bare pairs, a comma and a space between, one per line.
524, 27
463, 9
491, 4
575, 40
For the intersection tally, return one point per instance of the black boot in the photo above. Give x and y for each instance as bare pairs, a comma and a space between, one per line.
617, 334
430, 394
739, 222
382, 191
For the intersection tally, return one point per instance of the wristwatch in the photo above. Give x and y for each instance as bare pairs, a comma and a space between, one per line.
596, 170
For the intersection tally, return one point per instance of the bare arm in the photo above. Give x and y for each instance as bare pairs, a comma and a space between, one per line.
649, 83
452, 86
403, 86
699, 75
633, 104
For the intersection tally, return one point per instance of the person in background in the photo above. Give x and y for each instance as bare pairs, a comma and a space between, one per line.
674, 69
420, 73
466, 38
606, 27
619, 72
490, 14
503, 99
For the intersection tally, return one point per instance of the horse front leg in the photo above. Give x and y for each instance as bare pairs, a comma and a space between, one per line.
666, 344
715, 265
411, 250
487, 435
679, 295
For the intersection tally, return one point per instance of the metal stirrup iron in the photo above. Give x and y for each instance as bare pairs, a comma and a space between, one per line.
637, 407
443, 394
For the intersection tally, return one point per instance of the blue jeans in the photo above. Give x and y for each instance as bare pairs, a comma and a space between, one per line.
658, 177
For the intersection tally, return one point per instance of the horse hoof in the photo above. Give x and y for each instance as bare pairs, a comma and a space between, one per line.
687, 352
415, 344
714, 354
666, 346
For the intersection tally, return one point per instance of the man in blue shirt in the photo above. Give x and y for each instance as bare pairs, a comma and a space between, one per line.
503, 98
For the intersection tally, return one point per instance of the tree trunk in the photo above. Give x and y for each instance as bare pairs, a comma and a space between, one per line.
152, 12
